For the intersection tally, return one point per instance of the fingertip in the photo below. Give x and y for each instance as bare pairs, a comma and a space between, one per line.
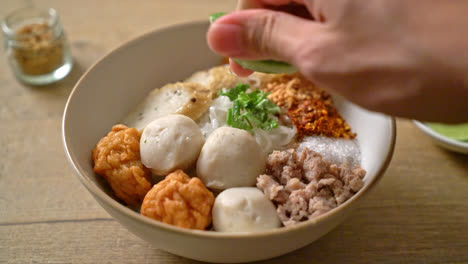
238, 70
226, 39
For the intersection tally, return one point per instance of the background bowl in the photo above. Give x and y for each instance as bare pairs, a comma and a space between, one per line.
443, 141
119, 81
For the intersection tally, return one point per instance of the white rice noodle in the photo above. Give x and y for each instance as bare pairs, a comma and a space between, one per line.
253, 81
215, 117
275, 139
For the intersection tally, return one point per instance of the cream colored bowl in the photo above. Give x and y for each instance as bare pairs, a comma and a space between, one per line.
115, 85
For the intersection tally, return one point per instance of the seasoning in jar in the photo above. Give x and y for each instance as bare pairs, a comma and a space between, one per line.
36, 46
37, 51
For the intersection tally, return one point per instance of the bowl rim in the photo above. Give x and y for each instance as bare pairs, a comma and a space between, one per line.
99, 194
430, 132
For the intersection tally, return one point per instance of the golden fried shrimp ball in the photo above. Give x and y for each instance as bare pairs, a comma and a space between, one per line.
179, 200
117, 159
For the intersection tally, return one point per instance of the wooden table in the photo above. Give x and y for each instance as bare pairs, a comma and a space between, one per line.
418, 213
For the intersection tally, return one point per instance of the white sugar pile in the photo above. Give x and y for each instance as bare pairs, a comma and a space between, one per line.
332, 149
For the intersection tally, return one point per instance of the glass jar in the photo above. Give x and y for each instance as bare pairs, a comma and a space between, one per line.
36, 46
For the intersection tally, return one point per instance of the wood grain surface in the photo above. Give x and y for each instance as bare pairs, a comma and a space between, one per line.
418, 213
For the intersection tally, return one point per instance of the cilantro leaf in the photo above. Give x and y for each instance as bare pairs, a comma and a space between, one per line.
234, 92
250, 110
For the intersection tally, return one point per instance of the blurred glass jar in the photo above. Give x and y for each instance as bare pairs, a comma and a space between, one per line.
36, 46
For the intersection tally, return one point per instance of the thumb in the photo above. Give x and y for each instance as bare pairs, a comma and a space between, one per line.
263, 34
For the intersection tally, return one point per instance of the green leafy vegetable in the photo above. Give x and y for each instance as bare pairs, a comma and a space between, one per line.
215, 16
267, 66
250, 110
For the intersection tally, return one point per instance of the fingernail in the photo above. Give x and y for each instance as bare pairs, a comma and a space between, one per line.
227, 39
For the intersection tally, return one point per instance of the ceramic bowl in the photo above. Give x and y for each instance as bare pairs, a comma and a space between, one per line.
121, 79
443, 141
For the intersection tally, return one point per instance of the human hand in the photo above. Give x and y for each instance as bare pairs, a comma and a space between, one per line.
403, 58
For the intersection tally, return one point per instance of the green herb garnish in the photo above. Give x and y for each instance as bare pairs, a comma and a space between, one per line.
250, 110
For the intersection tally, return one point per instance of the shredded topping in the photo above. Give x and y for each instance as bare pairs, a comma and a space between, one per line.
310, 108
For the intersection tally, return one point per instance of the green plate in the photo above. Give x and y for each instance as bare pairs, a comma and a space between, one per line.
457, 132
